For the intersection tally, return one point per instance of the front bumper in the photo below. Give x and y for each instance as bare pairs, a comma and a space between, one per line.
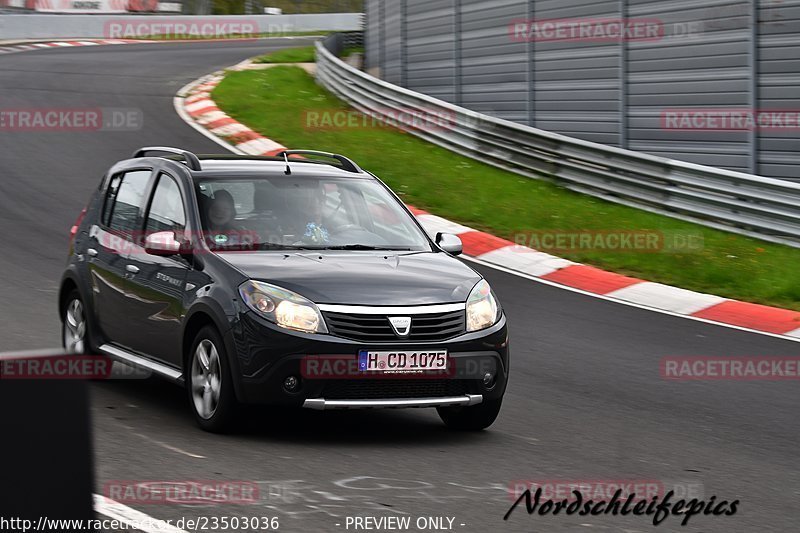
322, 404
266, 355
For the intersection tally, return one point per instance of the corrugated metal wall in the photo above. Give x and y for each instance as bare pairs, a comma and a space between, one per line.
711, 54
576, 82
430, 49
491, 85
703, 61
778, 83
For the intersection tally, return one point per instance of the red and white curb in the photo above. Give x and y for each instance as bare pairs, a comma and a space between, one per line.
194, 104
24, 47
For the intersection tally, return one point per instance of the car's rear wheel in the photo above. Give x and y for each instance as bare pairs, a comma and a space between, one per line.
472, 418
210, 388
74, 328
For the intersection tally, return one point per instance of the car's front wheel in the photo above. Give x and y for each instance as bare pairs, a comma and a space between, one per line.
211, 394
74, 329
472, 418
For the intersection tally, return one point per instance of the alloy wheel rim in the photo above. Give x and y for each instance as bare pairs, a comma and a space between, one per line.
74, 327
206, 379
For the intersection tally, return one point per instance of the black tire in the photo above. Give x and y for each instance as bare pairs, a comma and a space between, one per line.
472, 418
86, 348
222, 416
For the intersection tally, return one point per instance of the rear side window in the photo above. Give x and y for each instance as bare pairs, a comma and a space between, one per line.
126, 195
166, 209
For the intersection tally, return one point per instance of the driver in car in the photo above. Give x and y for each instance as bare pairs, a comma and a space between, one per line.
220, 218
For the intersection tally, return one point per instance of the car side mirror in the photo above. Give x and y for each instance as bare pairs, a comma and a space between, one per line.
449, 243
162, 243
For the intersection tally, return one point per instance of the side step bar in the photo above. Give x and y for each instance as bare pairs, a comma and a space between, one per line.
125, 356
322, 404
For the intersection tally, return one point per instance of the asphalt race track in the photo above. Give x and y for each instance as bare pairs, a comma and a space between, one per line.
586, 400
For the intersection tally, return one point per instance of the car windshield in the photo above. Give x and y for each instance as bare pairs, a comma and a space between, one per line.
304, 213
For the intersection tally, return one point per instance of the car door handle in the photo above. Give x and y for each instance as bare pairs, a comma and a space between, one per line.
92, 252
133, 269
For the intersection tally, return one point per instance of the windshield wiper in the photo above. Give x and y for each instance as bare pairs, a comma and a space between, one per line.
363, 247
273, 246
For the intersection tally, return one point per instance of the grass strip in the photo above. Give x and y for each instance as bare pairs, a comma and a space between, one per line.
303, 54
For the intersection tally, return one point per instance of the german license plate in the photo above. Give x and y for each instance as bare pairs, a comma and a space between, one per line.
401, 361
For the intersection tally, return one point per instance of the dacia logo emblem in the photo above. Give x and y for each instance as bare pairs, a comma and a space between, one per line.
401, 325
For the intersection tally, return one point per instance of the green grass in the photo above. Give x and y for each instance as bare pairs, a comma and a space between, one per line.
304, 54
350, 50
274, 101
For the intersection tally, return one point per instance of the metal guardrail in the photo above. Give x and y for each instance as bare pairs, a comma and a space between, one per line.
765, 208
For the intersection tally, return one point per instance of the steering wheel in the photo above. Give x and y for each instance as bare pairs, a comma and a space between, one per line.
344, 227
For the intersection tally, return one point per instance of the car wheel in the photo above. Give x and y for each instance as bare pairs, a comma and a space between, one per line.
472, 418
74, 328
210, 388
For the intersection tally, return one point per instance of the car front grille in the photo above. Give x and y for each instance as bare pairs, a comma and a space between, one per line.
424, 327
381, 388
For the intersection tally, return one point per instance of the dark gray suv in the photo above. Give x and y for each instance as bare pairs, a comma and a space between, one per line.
299, 280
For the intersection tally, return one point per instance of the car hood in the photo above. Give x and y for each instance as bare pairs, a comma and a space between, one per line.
362, 278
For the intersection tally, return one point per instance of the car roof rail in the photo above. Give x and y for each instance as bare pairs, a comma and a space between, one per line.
347, 164
191, 160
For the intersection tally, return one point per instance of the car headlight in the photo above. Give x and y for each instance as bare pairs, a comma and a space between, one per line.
285, 308
483, 310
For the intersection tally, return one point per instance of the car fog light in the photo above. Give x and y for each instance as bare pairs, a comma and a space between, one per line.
291, 383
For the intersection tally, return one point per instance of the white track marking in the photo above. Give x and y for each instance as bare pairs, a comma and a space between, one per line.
434, 224
795, 333
259, 146
231, 129
170, 447
526, 260
200, 104
666, 297
131, 517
